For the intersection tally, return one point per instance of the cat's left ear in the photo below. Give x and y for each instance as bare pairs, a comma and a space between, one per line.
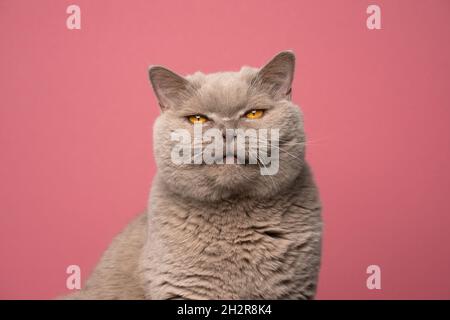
277, 75
170, 88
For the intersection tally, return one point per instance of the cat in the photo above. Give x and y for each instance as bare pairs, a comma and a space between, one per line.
221, 231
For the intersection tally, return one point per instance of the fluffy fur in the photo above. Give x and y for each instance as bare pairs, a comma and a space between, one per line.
221, 231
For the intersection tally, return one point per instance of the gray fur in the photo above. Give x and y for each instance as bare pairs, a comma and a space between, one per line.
221, 231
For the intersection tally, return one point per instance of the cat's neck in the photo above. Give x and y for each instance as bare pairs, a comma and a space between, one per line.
231, 215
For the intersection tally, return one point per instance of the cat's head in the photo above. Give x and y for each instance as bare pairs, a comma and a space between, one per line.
249, 99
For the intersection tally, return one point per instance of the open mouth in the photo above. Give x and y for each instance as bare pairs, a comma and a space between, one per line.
228, 158
234, 159
230, 155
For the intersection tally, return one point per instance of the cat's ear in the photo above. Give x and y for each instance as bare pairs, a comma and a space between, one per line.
277, 75
170, 88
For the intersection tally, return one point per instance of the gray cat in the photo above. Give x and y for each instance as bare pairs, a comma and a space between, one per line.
221, 231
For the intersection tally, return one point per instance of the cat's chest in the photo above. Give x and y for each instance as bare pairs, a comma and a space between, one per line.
225, 253
234, 232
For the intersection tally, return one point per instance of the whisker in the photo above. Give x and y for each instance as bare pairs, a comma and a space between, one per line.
260, 161
282, 150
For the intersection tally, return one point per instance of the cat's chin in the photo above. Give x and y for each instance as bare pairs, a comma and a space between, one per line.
234, 177
216, 182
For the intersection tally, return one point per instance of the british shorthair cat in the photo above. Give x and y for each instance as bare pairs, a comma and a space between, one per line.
221, 230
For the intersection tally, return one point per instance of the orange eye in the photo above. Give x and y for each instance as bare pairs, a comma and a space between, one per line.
254, 114
197, 119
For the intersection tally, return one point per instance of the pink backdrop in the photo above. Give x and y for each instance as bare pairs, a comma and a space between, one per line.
76, 111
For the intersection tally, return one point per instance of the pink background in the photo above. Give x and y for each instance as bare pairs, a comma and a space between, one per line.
76, 111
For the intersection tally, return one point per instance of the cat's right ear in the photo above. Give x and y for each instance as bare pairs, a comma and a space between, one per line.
277, 75
170, 88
